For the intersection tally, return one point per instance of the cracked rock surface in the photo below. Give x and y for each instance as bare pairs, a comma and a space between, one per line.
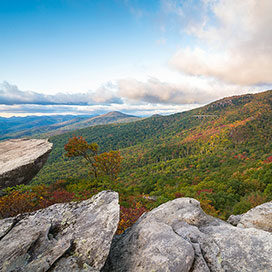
63, 237
178, 236
21, 160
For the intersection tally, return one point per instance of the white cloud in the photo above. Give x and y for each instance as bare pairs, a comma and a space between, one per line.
155, 91
139, 109
234, 42
190, 90
10, 94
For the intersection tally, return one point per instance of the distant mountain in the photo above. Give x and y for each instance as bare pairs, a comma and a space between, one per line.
108, 118
16, 127
220, 154
45, 126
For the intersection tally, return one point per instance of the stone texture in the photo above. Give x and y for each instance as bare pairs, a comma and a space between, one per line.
235, 219
63, 237
259, 217
179, 236
21, 160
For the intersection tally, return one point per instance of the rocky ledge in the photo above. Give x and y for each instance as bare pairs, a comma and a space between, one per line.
63, 237
21, 160
175, 237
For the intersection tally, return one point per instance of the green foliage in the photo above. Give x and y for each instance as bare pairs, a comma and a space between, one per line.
220, 154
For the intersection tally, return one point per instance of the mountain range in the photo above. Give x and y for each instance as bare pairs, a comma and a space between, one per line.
220, 154
45, 126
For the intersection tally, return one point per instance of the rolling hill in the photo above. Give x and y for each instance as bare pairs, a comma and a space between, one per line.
220, 154
46, 126
16, 127
108, 118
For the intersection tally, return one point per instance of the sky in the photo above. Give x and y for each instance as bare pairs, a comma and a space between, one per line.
136, 56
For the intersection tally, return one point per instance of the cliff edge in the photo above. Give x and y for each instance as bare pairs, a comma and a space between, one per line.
21, 160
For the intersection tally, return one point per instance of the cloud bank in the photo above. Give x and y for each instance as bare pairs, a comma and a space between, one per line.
230, 53
11, 95
135, 109
158, 92
234, 42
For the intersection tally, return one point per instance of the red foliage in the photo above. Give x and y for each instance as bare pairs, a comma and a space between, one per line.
178, 195
209, 191
240, 156
268, 160
17, 202
59, 196
128, 216
41, 196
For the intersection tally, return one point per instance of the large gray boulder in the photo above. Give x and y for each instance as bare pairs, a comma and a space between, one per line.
259, 217
21, 160
179, 236
63, 237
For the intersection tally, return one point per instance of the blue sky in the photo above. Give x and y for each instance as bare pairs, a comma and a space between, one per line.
137, 56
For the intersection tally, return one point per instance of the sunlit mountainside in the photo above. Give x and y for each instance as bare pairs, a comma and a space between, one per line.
219, 154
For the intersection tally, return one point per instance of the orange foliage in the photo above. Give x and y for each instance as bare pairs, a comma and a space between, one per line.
128, 216
208, 208
41, 196
78, 147
107, 163
256, 199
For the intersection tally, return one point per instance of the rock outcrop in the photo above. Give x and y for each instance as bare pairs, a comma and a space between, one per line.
175, 237
179, 236
21, 160
63, 237
259, 217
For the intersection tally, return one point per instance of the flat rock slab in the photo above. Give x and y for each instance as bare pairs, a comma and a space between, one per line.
21, 160
70, 237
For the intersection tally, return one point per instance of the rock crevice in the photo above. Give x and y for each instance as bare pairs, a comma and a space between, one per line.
73, 236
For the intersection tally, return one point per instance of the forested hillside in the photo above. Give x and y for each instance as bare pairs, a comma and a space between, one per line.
220, 154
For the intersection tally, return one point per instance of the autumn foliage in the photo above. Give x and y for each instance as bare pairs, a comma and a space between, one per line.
128, 216
38, 197
104, 164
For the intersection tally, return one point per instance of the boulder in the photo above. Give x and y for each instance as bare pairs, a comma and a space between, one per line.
179, 236
21, 160
72, 236
259, 217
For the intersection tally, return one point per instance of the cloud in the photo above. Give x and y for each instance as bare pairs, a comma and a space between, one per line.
139, 109
10, 94
141, 98
234, 42
155, 91
190, 90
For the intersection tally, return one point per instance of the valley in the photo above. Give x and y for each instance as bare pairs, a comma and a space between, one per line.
222, 159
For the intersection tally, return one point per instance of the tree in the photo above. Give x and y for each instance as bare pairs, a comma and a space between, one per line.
107, 163
78, 147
